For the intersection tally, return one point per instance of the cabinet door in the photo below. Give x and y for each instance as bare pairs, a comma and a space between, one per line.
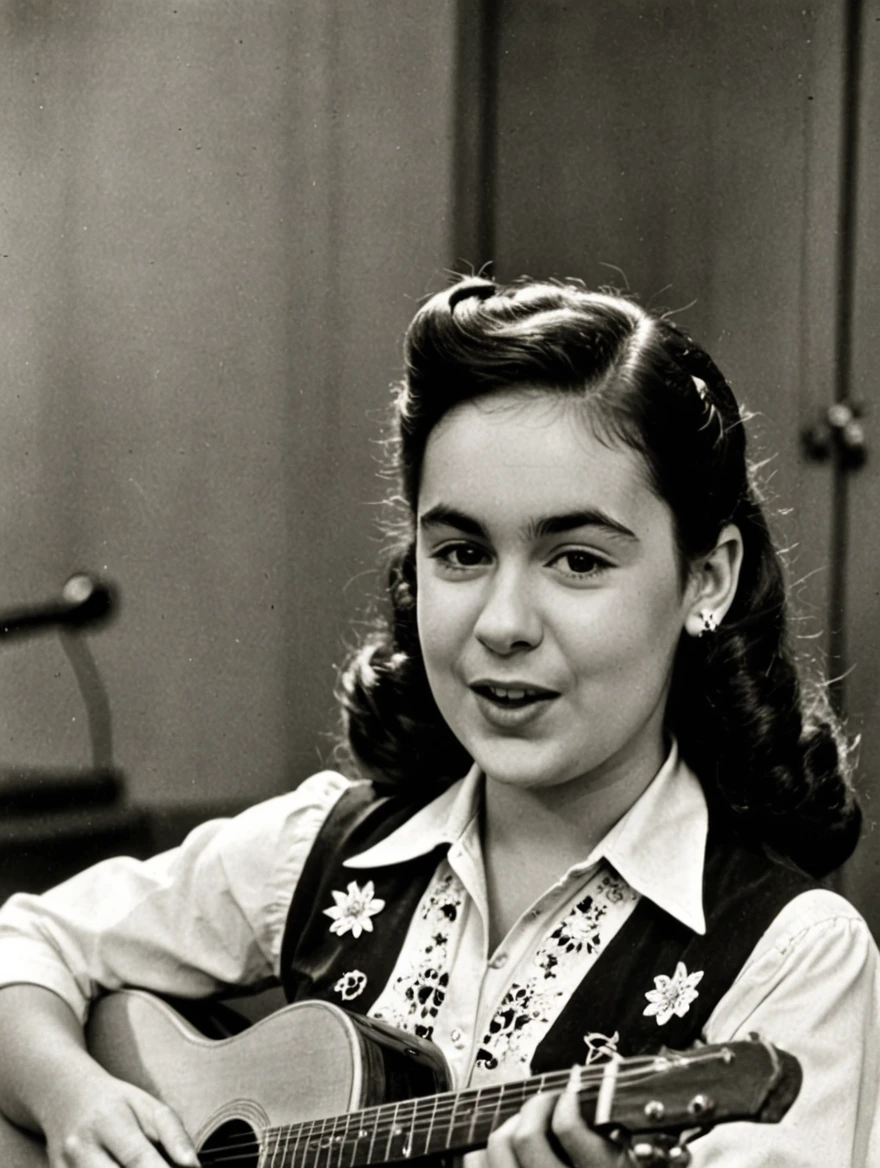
693, 154
861, 602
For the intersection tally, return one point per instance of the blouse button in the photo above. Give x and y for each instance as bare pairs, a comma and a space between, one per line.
457, 1038
498, 961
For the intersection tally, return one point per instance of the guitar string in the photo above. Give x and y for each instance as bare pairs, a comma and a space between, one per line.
490, 1094
419, 1125
337, 1149
448, 1101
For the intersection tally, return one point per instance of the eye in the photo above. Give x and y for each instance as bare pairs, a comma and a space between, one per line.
460, 556
579, 563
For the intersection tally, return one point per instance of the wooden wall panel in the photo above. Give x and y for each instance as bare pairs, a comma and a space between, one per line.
691, 154
862, 567
216, 219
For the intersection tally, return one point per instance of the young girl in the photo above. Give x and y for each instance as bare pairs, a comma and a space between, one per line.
601, 800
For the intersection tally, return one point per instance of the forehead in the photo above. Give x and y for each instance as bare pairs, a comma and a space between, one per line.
533, 453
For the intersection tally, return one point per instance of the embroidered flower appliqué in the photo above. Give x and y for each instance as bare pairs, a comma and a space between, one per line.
528, 1005
600, 1046
351, 985
413, 999
672, 995
353, 909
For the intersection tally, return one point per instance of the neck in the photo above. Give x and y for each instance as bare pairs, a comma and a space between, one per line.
533, 835
564, 820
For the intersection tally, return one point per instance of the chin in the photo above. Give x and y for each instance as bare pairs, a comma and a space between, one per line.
517, 763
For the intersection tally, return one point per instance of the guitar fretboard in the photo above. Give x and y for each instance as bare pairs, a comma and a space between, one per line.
450, 1122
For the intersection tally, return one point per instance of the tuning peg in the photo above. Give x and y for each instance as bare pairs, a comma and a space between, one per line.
658, 1152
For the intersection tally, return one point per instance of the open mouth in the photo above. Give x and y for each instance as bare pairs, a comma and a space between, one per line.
513, 697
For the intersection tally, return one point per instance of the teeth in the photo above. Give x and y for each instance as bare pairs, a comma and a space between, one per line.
512, 695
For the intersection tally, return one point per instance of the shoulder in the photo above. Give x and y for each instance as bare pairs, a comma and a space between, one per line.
806, 919
817, 956
811, 928
812, 987
279, 831
263, 850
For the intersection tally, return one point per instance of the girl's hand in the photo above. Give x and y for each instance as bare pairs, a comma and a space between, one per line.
112, 1123
547, 1128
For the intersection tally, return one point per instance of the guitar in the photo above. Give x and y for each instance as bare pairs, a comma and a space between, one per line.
313, 1086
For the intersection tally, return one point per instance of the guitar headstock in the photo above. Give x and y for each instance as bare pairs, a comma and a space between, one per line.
678, 1090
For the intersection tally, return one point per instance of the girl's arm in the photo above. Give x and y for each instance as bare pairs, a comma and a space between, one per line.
199, 919
49, 1083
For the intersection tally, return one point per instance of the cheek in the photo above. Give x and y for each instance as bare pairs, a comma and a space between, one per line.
442, 619
633, 630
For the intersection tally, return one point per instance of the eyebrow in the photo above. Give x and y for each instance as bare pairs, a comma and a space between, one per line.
443, 516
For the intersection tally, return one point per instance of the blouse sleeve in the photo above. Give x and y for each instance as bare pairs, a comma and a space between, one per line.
812, 987
203, 917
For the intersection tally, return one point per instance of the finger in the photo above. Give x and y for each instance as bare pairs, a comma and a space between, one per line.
78, 1153
131, 1146
499, 1148
163, 1126
530, 1139
583, 1147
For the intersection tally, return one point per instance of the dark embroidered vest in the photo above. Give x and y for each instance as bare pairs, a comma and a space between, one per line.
743, 891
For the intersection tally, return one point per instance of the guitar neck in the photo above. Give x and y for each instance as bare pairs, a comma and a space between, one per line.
453, 1122
670, 1091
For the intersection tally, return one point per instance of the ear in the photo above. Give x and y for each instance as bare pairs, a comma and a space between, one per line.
712, 583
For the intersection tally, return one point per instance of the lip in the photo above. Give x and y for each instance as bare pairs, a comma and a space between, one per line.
530, 687
511, 717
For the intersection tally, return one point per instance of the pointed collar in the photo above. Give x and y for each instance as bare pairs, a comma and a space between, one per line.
658, 846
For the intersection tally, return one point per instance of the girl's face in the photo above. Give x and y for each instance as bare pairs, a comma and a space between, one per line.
549, 595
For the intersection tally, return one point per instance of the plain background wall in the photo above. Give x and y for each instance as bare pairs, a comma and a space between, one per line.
216, 219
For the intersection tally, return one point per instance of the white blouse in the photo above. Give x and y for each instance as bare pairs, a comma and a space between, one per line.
210, 915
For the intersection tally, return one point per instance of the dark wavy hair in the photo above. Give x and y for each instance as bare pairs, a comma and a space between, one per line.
766, 745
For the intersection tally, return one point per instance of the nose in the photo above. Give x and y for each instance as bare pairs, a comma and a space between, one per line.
508, 621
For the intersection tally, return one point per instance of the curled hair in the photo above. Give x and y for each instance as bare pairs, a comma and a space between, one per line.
768, 749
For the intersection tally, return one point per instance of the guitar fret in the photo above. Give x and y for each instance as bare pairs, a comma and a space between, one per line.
327, 1139
360, 1133
287, 1154
267, 1149
312, 1147
392, 1133
475, 1114
496, 1115
290, 1163
371, 1149
451, 1127
283, 1133
337, 1140
341, 1140
430, 1130
412, 1107
317, 1142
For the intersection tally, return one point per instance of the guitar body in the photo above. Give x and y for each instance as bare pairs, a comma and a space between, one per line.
307, 1061
313, 1086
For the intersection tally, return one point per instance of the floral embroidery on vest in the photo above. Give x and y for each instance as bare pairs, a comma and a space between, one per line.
672, 995
351, 985
528, 1005
600, 1046
412, 1000
353, 909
